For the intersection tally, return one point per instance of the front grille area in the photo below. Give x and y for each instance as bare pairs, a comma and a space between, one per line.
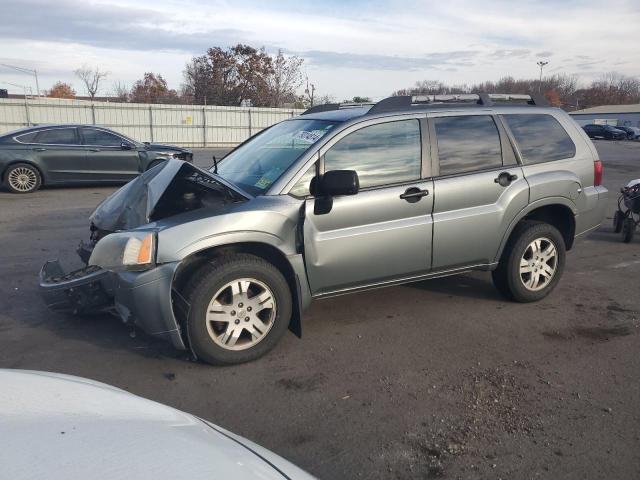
75, 275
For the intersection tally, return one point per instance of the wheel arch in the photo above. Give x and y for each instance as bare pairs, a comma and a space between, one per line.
29, 162
557, 211
268, 252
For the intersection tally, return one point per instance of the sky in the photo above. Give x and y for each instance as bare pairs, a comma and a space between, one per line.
366, 48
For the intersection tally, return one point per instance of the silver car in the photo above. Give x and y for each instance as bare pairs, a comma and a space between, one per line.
62, 427
337, 200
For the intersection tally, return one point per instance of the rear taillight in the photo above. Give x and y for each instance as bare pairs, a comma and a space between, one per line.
597, 173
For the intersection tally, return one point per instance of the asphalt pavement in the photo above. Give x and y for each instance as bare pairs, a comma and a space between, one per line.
440, 378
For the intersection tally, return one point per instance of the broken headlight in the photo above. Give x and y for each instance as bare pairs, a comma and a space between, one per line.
125, 251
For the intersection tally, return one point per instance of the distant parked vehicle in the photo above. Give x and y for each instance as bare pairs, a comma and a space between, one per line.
636, 130
604, 131
66, 154
632, 133
76, 428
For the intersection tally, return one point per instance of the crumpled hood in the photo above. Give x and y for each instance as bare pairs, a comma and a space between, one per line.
132, 205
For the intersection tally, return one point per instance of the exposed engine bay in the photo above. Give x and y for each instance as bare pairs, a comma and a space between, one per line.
175, 188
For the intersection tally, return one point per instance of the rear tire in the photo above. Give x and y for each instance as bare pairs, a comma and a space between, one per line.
628, 229
241, 306
532, 262
22, 178
618, 219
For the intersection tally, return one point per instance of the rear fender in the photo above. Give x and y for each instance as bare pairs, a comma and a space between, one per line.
527, 210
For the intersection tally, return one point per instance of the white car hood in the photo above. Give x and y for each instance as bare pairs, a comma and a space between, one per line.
62, 427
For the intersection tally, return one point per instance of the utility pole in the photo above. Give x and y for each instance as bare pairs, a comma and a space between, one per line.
27, 71
310, 91
541, 64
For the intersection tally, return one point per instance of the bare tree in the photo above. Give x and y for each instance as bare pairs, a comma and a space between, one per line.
285, 79
91, 77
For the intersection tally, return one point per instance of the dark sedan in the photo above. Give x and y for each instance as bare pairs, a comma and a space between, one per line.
631, 133
604, 131
76, 154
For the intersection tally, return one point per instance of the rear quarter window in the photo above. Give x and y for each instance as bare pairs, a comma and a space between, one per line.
540, 137
27, 137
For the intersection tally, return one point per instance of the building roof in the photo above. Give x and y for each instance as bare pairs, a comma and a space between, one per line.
630, 108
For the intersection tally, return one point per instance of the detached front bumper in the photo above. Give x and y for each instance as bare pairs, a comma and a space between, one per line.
143, 299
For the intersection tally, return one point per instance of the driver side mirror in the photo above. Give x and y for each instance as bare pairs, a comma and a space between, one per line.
333, 183
126, 146
339, 182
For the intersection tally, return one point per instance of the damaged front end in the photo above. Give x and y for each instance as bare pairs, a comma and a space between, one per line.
121, 275
82, 291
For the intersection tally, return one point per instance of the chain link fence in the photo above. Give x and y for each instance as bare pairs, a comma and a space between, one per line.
186, 125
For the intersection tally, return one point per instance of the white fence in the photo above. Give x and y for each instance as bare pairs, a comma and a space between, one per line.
187, 125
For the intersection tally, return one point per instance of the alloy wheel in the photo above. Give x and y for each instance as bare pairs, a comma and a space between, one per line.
240, 314
538, 264
22, 179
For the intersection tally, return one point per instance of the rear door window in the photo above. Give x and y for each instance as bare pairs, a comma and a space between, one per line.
467, 143
93, 136
540, 138
382, 154
57, 136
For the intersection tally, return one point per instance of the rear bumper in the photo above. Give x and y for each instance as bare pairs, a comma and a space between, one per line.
142, 299
593, 211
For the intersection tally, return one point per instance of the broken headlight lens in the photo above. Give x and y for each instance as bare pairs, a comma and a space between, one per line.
125, 251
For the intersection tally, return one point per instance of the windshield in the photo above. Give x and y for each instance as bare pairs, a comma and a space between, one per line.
257, 164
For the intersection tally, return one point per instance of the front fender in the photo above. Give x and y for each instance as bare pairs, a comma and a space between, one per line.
286, 249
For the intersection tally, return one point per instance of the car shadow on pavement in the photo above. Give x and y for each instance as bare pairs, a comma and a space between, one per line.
471, 285
605, 235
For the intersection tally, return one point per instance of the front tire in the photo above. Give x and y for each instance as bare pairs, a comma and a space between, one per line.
532, 262
241, 306
22, 178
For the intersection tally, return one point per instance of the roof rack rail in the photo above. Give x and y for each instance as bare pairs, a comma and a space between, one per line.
405, 102
533, 99
326, 107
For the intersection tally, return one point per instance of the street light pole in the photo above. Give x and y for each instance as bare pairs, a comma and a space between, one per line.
27, 71
541, 63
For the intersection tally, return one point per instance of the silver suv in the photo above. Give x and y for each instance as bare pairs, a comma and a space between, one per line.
340, 199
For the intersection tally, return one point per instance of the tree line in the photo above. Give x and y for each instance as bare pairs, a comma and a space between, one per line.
560, 90
238, 75
243, 75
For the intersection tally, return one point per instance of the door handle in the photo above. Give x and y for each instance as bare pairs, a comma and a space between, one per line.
505, 179
39, 149
414, 194
94, 149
